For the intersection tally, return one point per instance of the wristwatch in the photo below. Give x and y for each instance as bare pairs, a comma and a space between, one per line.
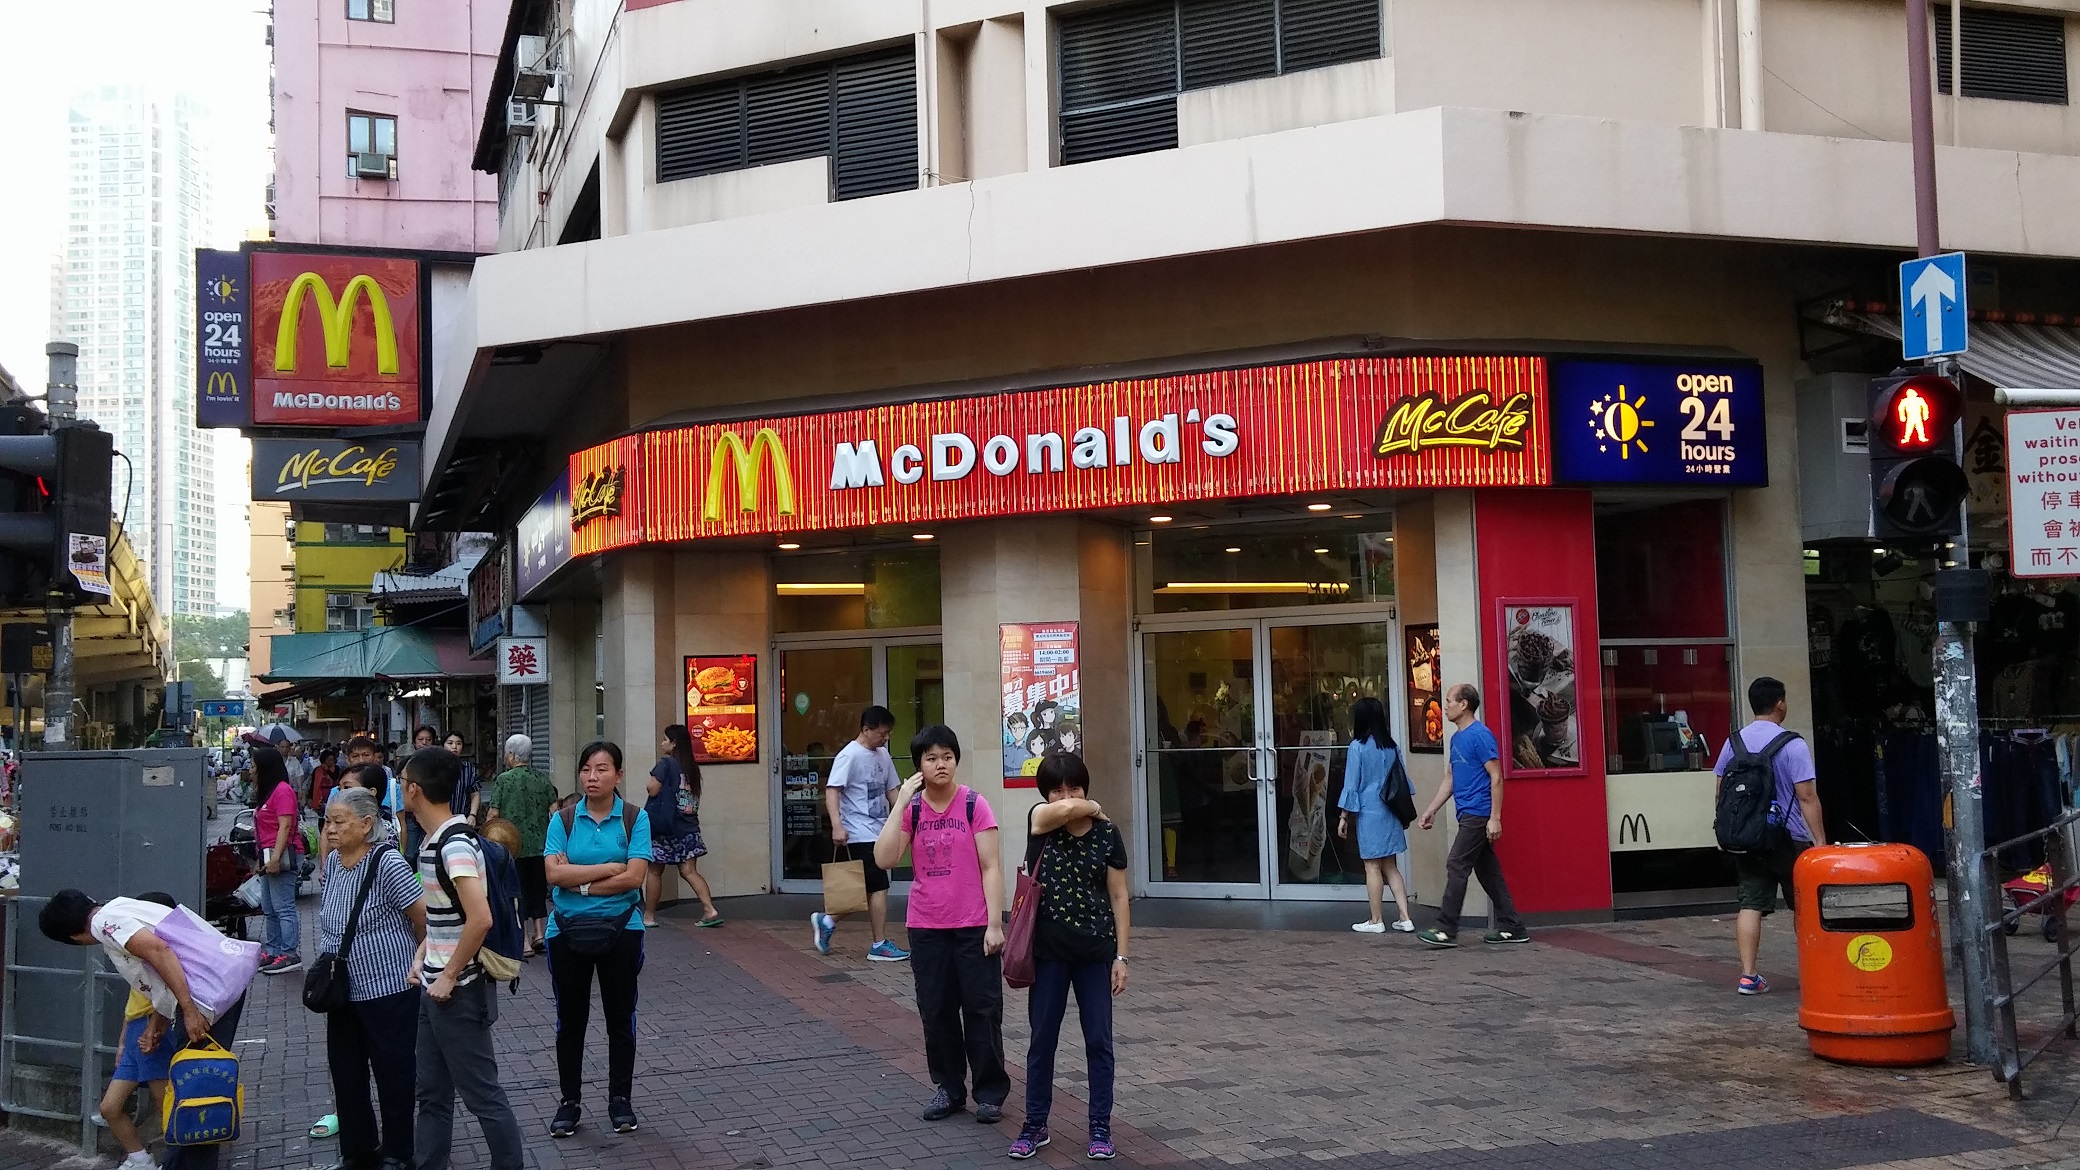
585, 889
1119, 958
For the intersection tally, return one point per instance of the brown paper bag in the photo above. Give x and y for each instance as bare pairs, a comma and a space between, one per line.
844, 887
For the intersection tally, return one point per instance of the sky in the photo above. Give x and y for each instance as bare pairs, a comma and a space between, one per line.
213, 50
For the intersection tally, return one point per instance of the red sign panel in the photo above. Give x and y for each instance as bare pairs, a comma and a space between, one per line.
1338, 425
722, 708
335, 340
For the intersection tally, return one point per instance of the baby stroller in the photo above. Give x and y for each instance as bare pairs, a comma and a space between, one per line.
227, 865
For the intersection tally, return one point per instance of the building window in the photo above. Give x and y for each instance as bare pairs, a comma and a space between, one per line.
349, 611
356, 534
371, 146
1122, 67
860, 111
379, 11
858, 589
1335, 561
1667, 645
2016, 56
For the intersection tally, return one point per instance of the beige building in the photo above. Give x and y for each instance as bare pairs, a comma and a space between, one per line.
271, 605
1507, 307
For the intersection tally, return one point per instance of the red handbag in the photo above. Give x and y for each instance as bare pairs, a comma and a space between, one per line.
1025, 920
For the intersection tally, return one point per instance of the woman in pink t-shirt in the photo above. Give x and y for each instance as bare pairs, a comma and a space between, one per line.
274, 827
956, 927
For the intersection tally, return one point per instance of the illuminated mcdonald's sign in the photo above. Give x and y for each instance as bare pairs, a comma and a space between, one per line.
363, 313
337, 319
749, 461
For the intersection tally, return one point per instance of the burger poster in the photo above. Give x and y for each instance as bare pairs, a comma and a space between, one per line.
722, 708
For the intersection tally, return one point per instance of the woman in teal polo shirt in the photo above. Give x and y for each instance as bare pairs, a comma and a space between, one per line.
596, 857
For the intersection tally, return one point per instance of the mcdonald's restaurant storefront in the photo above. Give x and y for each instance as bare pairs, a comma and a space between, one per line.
1189, 579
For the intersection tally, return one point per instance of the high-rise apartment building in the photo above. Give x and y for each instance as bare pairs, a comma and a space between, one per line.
124, 290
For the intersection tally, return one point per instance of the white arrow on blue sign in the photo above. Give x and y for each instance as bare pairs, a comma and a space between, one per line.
1931, 301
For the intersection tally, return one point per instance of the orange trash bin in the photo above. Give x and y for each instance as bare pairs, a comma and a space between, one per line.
1870, 956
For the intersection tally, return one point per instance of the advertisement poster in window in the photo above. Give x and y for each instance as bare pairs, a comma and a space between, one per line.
1538, 636
1425, 691
722, 708
1307, 826
1043, 697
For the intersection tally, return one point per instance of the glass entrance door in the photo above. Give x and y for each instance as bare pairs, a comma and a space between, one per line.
1244, 729
823, 689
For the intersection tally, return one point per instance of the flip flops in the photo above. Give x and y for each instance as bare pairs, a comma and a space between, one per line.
326, 1126
710, 920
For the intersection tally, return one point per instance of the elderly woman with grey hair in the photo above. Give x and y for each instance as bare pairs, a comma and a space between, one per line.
376, 1036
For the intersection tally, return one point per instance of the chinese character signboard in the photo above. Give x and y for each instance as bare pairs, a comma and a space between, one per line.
523, 662
223, 338
1655, 423
1043, 696
722, 708
543, 537
335, 340
336, 470
2044, 492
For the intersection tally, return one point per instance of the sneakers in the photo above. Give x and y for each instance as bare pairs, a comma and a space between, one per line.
1404, 926
1029, 1140
1500, 937
942, 1106
566, 1121
988, 1114
1753, 985
1100, 1149
1369, 927
282, 965
1434, 937
886, 952
821, 927
621, 1114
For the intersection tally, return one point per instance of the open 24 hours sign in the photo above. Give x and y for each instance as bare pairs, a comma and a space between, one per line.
1671, 422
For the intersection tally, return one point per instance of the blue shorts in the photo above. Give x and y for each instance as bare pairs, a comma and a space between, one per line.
143, 1067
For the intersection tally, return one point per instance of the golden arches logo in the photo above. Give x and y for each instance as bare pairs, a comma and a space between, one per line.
749, 460
222, 385
337, 319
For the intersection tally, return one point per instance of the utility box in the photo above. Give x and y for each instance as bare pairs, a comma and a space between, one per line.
111, 823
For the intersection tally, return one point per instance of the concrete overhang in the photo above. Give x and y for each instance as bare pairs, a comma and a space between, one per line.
535, 317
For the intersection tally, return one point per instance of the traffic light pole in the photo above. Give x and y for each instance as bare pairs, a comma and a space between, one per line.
61, 395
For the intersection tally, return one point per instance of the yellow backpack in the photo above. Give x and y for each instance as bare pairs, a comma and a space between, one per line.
203, 1097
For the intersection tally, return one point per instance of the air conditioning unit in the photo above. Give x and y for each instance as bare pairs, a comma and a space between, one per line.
341, 601
521, 117
532, 74
369, 165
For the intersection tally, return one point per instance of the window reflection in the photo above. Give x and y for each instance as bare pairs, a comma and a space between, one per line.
1259, 567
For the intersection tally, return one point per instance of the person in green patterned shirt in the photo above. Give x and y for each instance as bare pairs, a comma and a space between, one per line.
524, 796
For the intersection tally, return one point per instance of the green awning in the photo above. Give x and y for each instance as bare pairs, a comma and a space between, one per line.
400, 652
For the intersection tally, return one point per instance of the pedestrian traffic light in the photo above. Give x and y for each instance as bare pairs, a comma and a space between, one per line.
1918, 485
54, 509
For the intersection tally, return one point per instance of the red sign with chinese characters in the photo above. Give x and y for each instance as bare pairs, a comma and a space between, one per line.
1335, 425
335, 339
522, 662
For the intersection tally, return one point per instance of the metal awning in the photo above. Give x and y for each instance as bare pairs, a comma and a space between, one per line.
2009, 355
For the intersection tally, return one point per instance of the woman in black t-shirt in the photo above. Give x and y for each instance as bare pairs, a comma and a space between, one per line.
1080, 941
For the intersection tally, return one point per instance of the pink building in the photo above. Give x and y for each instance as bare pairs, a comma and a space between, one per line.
376, 109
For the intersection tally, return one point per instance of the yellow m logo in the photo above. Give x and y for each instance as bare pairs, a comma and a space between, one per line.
749, 461
337, 318
222, 383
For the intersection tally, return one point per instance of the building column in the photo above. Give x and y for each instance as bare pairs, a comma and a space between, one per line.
720, 606
1457, 584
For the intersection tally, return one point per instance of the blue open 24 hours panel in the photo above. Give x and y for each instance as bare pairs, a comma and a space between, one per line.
1665, 422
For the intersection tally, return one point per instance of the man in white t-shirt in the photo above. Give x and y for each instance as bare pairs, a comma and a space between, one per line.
863, 779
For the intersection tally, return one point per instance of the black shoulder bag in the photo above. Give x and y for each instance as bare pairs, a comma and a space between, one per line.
326, 985
596, 935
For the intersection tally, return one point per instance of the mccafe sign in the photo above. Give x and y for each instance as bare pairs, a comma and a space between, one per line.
1335, 425
336, 470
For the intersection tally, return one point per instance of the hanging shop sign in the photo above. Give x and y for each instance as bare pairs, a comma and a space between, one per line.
543, 537
360, 472
335, 339
222, 339
523, 662
1337, 425
490, 597
1658, 423
1043, 697
722, 708
2044, 493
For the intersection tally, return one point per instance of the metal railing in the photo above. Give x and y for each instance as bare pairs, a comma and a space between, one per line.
95, 1058
2051, 902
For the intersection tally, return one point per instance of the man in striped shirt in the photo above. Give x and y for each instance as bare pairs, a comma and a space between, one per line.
455, 1051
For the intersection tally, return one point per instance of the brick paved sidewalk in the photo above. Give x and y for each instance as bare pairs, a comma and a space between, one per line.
1612, 1046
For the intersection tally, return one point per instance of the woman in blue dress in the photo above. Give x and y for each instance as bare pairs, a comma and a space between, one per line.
1381, 838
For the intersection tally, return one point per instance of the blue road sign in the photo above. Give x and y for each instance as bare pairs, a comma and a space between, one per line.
223, 708
1931, 306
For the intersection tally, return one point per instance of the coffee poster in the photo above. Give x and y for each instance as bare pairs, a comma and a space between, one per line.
1425, 664
1544, 726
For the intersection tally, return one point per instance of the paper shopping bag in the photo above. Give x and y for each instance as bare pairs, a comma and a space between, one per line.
844, 887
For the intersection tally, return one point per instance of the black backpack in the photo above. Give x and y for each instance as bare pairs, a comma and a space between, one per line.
1747, 818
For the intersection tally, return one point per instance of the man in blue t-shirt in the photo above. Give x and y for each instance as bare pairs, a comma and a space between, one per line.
1476, 791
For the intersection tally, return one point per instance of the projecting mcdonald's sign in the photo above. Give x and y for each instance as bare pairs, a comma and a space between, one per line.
1334, 425
335, 339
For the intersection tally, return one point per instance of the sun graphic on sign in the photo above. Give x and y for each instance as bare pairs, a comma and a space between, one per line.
223, 288
1615, 419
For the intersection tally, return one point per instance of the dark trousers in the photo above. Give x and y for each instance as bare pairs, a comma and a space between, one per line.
571, 973
534, 888
1050, 1002
1472, 853
379, 1039
960, 1000
225, 1033
458, 1058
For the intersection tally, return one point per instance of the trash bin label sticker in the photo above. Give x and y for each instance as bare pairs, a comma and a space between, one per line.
1868, 952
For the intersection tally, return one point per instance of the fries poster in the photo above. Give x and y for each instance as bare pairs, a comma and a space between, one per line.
722, 709
1043, 697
